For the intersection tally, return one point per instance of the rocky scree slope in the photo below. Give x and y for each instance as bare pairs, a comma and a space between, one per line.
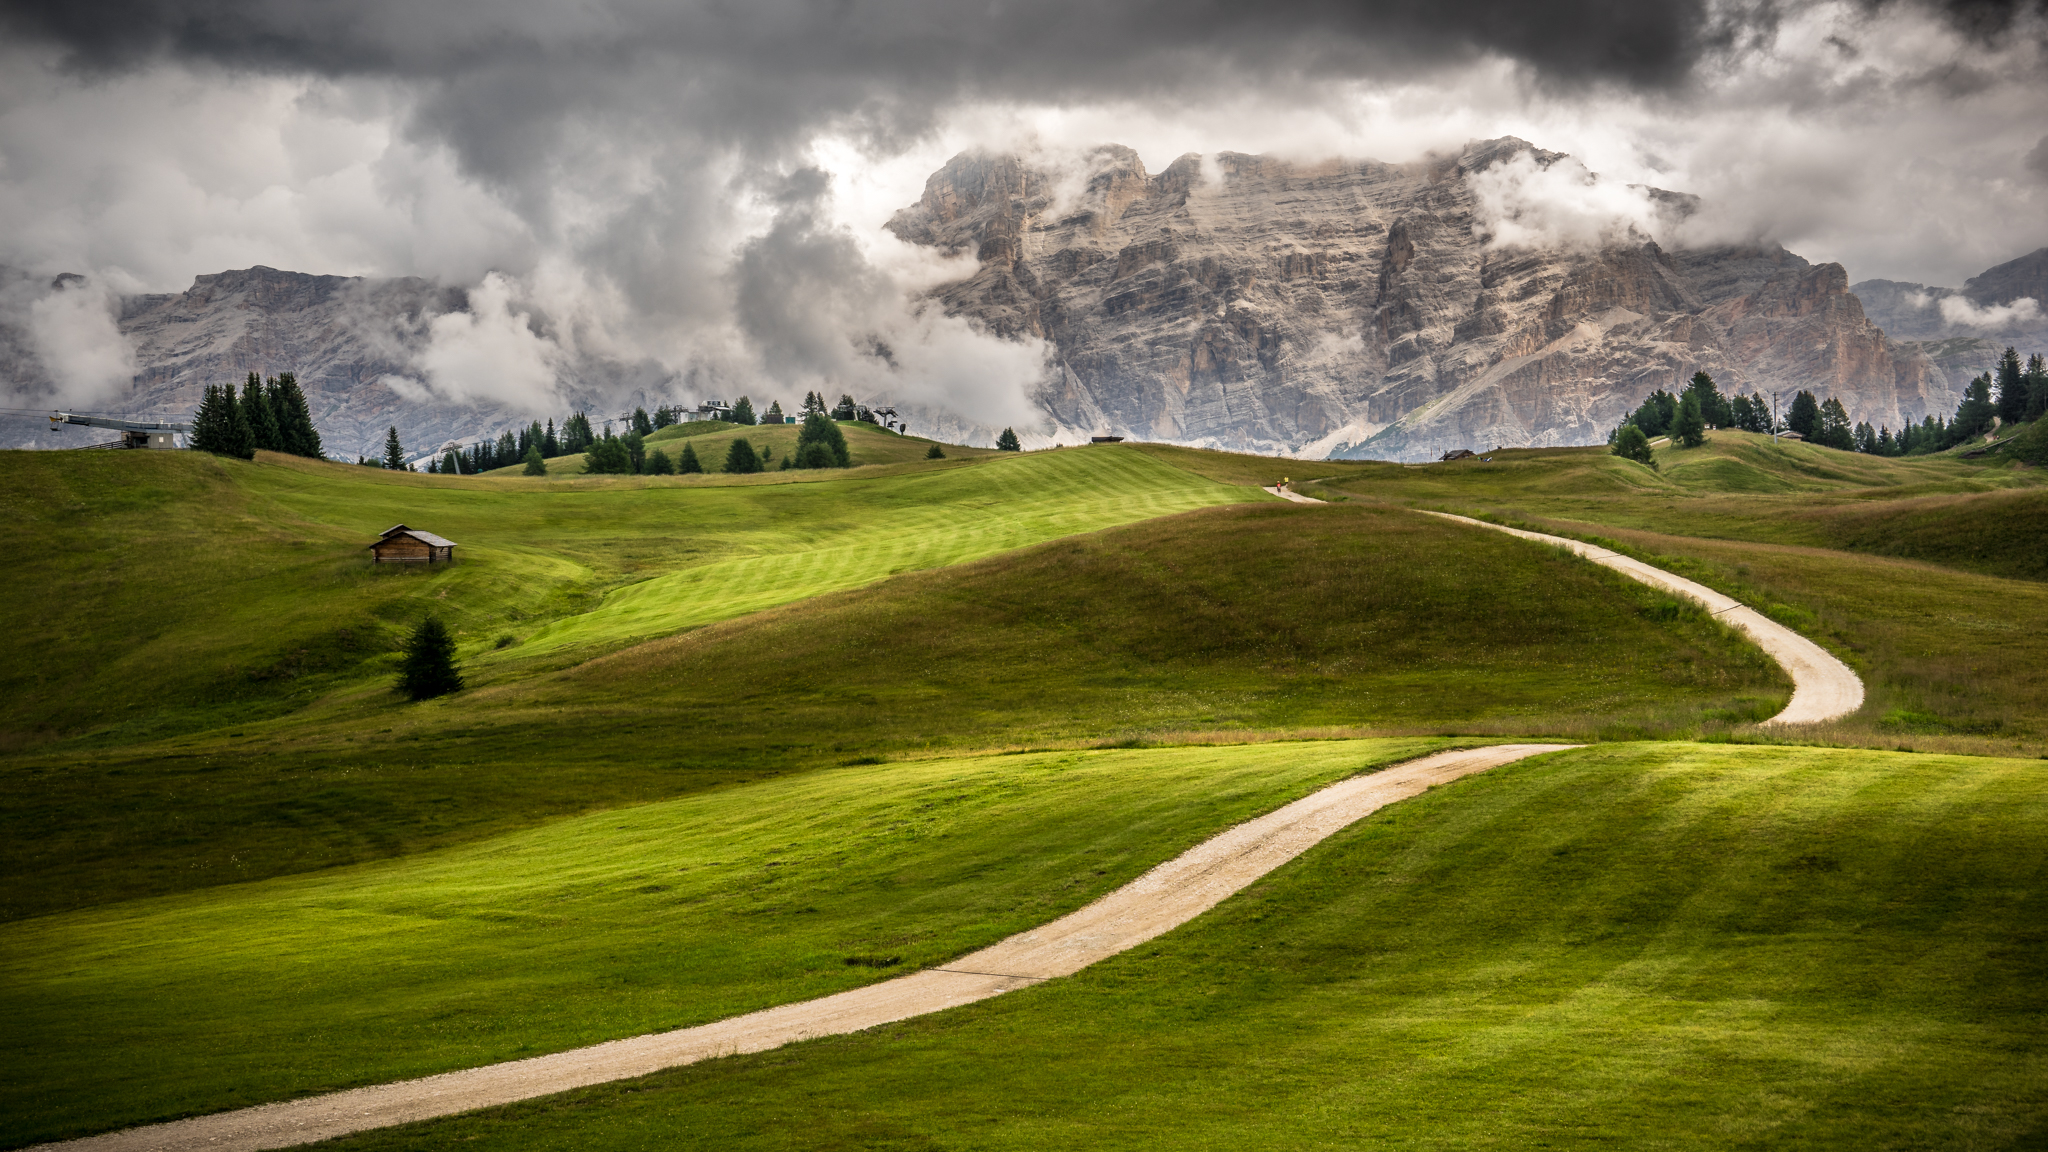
1357, 309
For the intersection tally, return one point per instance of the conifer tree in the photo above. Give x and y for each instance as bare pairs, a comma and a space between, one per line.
742, 411
658, 464
689, 462
2037, 387
451, 463
820, 444
846, 408
241, 439
2012, 388
1804, 418
535, 465
642, 423
1866, 438
608, 457
935, 453
1835, 431
295, 418
636, 450
1007, 442
1714, 408
1974, 414
394, 453
262, 421
1630, 443
213, 424
774, 415
429, 668
740, 458
1691, 426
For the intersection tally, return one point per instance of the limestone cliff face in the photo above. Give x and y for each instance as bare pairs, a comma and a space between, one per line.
1357, 309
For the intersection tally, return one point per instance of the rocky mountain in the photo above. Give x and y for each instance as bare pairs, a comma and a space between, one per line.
1964, 330
344, 336
1355, 308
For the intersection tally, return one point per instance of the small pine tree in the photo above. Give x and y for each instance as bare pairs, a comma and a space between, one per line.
641, 422
774, 415
1631, 444
1690, 429
213, 425
740, 458
658, 464
846, 408
429, 667
263, 436
2037, 387
549, 446
689, 462
2012, 388
1007, 442
1835, 429
820, 444
1714, 408
394, 453
1974, 414
636, 451
608, 457
295, 418
536, 464
935, 453
1804, 418
743, 412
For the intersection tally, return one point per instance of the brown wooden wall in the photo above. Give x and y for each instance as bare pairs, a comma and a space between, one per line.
401, 550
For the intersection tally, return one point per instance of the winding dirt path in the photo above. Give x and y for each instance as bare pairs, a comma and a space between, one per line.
1159, 901
1163, 899
1823, 688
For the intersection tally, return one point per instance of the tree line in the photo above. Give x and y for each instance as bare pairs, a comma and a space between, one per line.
2014, 395
270, 415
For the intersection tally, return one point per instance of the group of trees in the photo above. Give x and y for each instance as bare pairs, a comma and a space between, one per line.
2015, 394
532, 445
270, 415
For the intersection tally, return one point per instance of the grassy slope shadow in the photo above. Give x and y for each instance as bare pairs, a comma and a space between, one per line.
1267, 618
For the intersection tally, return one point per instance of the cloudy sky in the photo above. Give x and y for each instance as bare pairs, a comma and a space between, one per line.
706, 178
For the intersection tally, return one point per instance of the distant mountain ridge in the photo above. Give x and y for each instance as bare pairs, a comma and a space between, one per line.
1356, 308
1346, 308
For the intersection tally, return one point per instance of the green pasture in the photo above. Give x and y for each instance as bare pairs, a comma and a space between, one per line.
1982, 516
1665, 945
639, 919
1951, 661
178, 591
1266, 619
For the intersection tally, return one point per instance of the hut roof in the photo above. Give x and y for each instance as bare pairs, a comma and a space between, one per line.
427, 538
393, 528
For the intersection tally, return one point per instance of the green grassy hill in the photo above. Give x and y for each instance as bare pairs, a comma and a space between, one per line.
1273, 618
593, 928
731, 741
1636, 946
182, 592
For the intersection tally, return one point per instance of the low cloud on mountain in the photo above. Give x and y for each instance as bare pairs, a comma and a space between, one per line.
702, 185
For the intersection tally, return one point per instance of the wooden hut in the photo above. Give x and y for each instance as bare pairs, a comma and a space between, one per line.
402, 545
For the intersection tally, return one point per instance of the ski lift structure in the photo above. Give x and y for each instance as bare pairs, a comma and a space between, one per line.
157, 434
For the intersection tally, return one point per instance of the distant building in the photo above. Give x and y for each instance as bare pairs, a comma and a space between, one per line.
403, 545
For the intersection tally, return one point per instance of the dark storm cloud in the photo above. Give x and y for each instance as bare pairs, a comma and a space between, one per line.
1083, 45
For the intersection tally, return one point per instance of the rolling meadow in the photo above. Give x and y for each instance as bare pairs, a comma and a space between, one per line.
729, 742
